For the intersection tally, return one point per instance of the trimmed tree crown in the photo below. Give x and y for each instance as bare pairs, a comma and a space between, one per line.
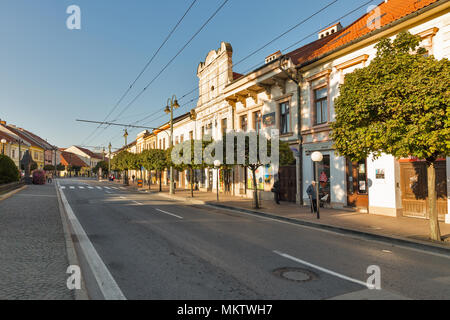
399, 104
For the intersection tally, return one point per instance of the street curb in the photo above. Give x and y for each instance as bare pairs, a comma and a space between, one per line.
72, 256
372, 236
11, 193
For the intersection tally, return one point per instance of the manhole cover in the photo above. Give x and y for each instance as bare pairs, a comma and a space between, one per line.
295, 274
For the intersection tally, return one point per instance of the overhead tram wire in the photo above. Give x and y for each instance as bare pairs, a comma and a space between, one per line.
144, 69
260, 64
294, 44
173, 58
254, 52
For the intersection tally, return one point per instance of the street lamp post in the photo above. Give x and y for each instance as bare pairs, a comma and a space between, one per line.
217, 164
317, 157
3, 146
125, 135
54, 168
171, 104
109, 160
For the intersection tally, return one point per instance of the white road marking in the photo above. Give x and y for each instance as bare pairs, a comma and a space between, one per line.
99, 188
171, 214
72, 187
331, 232
138, 203
81, 187
62, 187
123, 188
369, 286
91, 188
107, 188
105, 280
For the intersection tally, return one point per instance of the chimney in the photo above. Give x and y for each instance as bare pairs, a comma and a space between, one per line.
330, 30
273, 56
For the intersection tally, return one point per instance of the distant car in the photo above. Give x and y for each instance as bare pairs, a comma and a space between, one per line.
39, 177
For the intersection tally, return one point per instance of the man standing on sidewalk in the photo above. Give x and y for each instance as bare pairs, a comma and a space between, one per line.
311, 191
276, 191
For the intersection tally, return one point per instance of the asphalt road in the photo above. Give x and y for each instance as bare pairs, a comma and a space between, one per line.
156, 248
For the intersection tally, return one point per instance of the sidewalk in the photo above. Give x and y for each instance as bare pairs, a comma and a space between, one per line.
411, 229
33, 259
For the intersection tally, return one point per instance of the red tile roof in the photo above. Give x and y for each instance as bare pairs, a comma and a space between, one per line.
72, 159
23, 136
390, 11
7, 137
236, 75
90, 153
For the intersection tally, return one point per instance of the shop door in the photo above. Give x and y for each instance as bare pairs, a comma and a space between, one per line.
357, 189
324, 178
288, 185
414, 187
226, 177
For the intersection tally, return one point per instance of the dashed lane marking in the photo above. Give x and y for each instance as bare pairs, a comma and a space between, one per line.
170, 214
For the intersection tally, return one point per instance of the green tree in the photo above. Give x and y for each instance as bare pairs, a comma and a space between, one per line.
103, 165
155, 159
49, 167
286, 157
124, 161
148, 162
399, 105
8, 170
190, 164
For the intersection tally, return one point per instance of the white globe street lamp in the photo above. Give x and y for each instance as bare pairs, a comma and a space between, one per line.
3, 146
217, 164
317, 157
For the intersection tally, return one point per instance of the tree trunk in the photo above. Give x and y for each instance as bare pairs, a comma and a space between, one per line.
192, 182
160, 184
435, 232
255, 191
150, 180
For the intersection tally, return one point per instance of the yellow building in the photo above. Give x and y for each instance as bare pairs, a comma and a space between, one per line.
15, 147
36, 148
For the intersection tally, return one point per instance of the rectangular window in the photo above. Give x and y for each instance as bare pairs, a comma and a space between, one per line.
182, 138
191, 135
164, 144
285, 118
14, 153
203, 131
257, 121
243, 123
321, 105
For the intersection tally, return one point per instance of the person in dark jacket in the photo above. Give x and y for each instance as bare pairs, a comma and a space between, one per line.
311, 191
276, 191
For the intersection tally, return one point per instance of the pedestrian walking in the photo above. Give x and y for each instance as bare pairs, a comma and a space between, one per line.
276, 191
311, 191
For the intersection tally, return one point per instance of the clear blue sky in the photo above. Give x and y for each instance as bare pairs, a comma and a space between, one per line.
50, 76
